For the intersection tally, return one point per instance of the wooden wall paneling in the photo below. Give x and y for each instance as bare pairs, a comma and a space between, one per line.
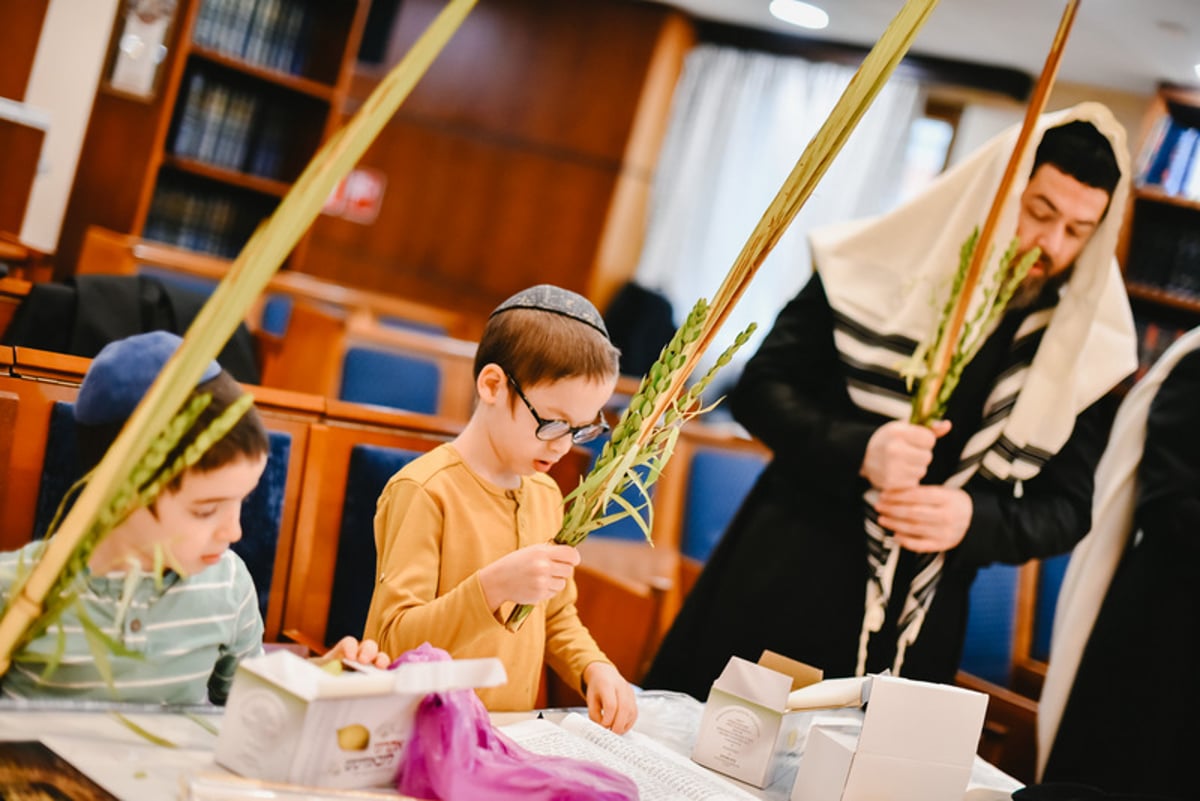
563, 75
19, 35
467, 222
504, 164
624, 230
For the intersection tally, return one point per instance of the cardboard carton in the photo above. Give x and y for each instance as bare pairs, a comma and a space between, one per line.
288, 720
746, 727
917, 743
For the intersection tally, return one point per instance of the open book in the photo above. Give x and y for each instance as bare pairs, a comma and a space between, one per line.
659, 773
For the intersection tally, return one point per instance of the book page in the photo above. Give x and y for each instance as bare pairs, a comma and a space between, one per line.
660, 774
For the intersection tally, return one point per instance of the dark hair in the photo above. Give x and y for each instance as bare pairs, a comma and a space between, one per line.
1082, 152
247, 438
534, 346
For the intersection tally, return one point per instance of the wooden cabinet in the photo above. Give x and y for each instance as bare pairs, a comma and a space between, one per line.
1160, 241
249, 90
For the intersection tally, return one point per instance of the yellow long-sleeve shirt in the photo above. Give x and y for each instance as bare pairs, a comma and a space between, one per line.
436, 524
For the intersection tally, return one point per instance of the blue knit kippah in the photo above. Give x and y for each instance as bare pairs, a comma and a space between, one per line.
122, 372
555, 299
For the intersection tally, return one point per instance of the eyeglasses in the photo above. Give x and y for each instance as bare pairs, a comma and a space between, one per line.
549, 430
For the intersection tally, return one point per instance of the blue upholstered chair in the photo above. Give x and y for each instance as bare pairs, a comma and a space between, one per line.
261, 511
1049, 583
718, 482
353, 576
991, 622
388, 378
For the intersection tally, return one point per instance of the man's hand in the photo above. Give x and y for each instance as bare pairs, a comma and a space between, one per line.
610, 699
925, 518
899, 453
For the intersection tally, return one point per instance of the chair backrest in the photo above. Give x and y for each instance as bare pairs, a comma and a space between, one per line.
622, 617
261, 510
1049, 582
388, 378
405, 367
991, 624
718, 481
353, 575
350, 457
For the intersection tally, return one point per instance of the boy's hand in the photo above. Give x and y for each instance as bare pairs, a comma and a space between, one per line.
610, 698
365, 652
529, 575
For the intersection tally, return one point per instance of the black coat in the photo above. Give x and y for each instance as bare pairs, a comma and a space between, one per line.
85, 313
1129, 724
790, 574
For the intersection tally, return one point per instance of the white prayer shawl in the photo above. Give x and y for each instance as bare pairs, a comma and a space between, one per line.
891, 275
1094, 560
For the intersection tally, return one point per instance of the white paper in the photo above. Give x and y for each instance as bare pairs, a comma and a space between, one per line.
829, 694
660, 774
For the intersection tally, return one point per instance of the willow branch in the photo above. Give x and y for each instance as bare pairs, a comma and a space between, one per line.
868, 80
1037, 102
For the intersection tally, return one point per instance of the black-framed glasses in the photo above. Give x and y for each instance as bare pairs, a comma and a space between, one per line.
549, 430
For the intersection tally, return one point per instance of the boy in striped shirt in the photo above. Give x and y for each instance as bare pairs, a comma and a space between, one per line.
179, 638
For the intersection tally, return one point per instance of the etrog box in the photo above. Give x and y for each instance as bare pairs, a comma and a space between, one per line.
917, 743
746, 724
288, 720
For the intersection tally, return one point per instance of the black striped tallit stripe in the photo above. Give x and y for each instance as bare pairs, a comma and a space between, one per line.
1000, 411
876, 384
897, 343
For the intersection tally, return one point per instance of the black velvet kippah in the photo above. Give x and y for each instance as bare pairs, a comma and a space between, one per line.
550, 298
122, 372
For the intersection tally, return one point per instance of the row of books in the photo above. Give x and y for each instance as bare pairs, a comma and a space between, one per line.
1166, 254
209, 222
1171, 159
216, 123
269, 33
228, 127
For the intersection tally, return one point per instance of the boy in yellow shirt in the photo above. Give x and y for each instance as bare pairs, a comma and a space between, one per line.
464, 532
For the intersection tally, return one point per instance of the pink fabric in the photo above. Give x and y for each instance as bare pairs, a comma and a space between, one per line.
455, 754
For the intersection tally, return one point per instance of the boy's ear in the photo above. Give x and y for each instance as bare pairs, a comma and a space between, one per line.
492, 381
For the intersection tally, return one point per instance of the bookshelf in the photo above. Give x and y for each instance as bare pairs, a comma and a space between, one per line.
1160, 240
248, 90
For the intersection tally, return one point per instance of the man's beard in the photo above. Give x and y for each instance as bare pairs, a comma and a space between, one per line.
1036, 285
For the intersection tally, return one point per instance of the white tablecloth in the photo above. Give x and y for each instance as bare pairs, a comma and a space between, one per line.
106, 748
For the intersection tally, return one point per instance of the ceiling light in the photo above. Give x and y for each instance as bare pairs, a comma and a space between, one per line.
805, 15
1198, 70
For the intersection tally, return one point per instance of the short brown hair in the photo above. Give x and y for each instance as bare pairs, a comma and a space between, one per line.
535, 346
247, 439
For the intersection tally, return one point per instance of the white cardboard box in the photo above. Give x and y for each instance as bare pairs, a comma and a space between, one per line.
917, 743
746, 726
288, 720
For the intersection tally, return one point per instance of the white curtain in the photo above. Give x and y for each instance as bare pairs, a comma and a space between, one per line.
739, 122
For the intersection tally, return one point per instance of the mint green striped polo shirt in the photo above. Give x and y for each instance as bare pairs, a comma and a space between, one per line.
189, 635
